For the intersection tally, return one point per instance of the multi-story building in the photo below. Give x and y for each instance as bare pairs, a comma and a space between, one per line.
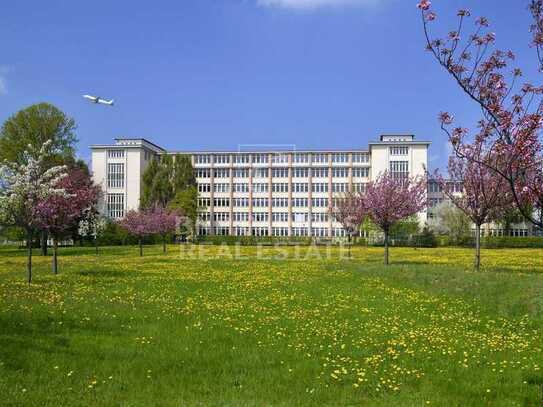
262, 193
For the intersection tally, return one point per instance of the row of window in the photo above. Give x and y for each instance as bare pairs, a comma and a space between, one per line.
275, 231
264, 202
279, 158
264, 217
339, 172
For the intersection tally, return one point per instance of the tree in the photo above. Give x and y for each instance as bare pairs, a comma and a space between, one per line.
451, 221
92, 225
485, 196
24, 186
34, 126
512, 116
390, 199
508, 218
57, 214
137, 223
163, 223
164, 178
350, 212
186, 202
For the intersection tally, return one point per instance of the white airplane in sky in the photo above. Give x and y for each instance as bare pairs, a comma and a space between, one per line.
96, 99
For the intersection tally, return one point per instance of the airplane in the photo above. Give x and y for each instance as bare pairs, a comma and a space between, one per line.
97, 99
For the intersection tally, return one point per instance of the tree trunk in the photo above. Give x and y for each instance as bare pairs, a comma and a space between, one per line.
96, 245
349, 243
163, 244
477, 247
29, 256
386, 247
141, 246
43, 243
55, 252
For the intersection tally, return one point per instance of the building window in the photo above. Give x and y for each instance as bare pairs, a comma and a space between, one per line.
204, 202
221, 172
280, 158
280, 232
115, 205
115, 153
341, 172
241, 159
300, 158
222, 159
260, 172
300, 172
319, 202
260, 187
280, 202
280, 187
319, 187
399, 169
240, 173
204, 187
361, 172
339, 187
320, 158
340, 158
280, 173
319, 217
299, 202
260, 216
240, 187
260, 202
359, 187
221, 187
320, 172
241, 202
115, 175
361, 158
202, 159
280, 216
260, 158
399, 150
300, 187
203, 173
300, 217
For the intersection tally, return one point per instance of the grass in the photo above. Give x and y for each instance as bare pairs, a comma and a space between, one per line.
269, 327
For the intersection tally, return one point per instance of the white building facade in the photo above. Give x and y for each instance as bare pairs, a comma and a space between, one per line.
261, 193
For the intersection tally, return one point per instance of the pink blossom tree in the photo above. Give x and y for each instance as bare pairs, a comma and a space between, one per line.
389, 199
137, 223
485, 195
163, 223
507, 139
58, 214
350, 212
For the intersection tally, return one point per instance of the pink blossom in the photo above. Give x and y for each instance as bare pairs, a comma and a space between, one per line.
424, 5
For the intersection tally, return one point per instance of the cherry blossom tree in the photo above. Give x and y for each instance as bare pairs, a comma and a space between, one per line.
350, 212
507, 140
24, 185
389, 199
163, 222
485, 195
137, 223
58, 214
92, 225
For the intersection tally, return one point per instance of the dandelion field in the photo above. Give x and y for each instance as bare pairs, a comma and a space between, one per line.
253, 326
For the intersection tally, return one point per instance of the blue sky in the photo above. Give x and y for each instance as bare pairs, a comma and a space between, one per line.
212, 74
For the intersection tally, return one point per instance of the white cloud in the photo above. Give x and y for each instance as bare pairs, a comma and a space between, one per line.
313, 4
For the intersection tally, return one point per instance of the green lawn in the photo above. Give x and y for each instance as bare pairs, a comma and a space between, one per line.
202, 327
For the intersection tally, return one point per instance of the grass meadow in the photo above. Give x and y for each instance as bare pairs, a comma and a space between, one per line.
225, 326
